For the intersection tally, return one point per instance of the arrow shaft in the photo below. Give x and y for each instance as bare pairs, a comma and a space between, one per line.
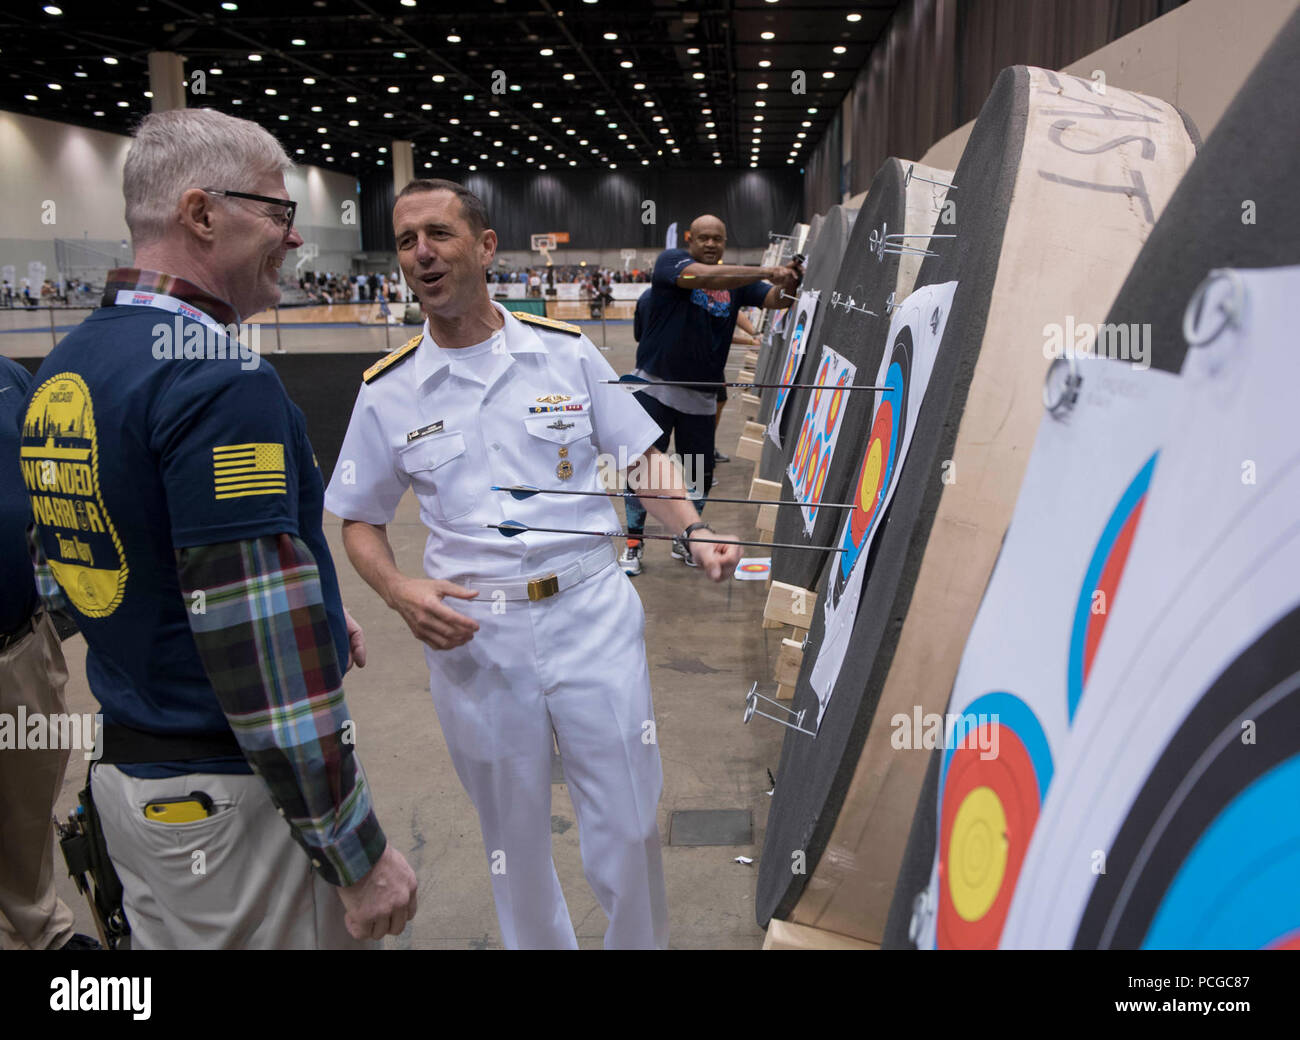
510, 531
746, 386
677, 498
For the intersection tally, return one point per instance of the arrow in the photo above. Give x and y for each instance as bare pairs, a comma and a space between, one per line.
513, 528
631, 380
521, 492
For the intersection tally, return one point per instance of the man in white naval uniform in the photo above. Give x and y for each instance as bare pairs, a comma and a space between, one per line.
547, 635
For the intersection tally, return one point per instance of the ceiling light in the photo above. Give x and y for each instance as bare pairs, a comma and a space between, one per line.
569, 76
439, 78
351, 100
454, 121
546, 52
853, 17
812, 111
55, 86
254, 57
214, 72
351, 122
298, 43
316, 108
537, 104
426, 107
839, 50
828, 74
760, 103
79, 74
309, 81
624, 64
356, 155
113, 61
764, 64
611, 36
271, 91
768, 35
762, 86
453, 38
692, 50
33, 97
697, 75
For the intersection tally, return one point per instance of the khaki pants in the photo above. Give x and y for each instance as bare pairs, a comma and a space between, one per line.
235, 880
32, 916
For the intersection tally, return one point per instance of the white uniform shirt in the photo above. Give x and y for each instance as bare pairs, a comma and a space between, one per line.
451, 425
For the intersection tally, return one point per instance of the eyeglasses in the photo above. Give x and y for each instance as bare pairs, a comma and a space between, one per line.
288, 206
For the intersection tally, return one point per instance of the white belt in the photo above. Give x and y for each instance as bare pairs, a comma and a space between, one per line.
548, 585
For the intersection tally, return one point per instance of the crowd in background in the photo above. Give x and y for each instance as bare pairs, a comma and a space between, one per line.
72, 292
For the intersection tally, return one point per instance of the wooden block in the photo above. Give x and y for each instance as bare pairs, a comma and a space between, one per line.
749, 404
784, 693
786, 935
754, 430
750, 449
749, 398
744, 376
765, 490
770, 625
751, 358
767, 518
790, 605
789, 661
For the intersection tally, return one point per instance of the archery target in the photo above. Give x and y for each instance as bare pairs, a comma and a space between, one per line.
806, 310
825, 251
1101, 582
993, 776
884, 442
1209, 854
818, 434
1178, 778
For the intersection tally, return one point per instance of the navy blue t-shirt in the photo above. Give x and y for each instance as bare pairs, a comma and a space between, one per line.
687, 332
127, 458
17, 579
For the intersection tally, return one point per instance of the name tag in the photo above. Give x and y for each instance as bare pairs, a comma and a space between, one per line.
424, 431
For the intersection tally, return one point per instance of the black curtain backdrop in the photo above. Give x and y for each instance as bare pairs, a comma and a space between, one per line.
937, 62
604, 209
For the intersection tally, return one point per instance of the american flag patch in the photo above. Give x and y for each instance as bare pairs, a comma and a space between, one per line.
239, 470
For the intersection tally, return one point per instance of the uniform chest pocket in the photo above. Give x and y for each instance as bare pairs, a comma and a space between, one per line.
560, 427
441, 475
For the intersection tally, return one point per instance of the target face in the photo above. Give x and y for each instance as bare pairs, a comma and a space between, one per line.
1101, 583
794, 352
818, 434
754, 568
1209, 853
879, 460
995, 772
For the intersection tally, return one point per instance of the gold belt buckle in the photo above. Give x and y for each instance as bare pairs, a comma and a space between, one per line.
543, 588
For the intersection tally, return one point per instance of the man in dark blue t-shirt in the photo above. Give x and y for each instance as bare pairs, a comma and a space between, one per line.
689, 318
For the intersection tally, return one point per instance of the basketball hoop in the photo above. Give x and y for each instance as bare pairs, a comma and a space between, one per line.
544, 244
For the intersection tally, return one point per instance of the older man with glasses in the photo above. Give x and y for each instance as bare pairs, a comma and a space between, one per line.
179, 504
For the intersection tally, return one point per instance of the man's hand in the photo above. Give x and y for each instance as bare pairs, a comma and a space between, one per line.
356, 642
784, 278
383, 901
420, 602
717, 560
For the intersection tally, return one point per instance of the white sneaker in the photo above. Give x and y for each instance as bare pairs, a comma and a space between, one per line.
630, 561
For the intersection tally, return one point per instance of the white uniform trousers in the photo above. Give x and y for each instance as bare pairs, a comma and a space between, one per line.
573, 664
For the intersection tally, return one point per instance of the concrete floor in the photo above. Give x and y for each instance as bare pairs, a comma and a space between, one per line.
705, 648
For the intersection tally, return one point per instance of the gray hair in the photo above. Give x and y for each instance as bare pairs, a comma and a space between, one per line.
191, 148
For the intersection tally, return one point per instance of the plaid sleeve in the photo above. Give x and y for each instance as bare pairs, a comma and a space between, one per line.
264, 639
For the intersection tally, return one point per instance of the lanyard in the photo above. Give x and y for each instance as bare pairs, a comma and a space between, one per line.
163, 302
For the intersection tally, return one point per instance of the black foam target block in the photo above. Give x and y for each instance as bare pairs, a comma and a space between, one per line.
863, 283
1250, 157
773, 352
814, 775
819, 273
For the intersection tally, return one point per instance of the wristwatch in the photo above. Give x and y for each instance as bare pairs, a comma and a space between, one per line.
699, 525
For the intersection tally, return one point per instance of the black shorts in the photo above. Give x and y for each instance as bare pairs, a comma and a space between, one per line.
722, 394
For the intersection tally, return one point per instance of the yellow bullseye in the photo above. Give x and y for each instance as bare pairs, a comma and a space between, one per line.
871, 475
977, 860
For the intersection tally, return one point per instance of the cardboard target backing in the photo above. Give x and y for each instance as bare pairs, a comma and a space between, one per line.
1046, 227
823, 265
824, 430
1195, 823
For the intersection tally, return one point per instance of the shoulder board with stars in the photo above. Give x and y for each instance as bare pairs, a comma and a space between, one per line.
389, 360
549, 323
